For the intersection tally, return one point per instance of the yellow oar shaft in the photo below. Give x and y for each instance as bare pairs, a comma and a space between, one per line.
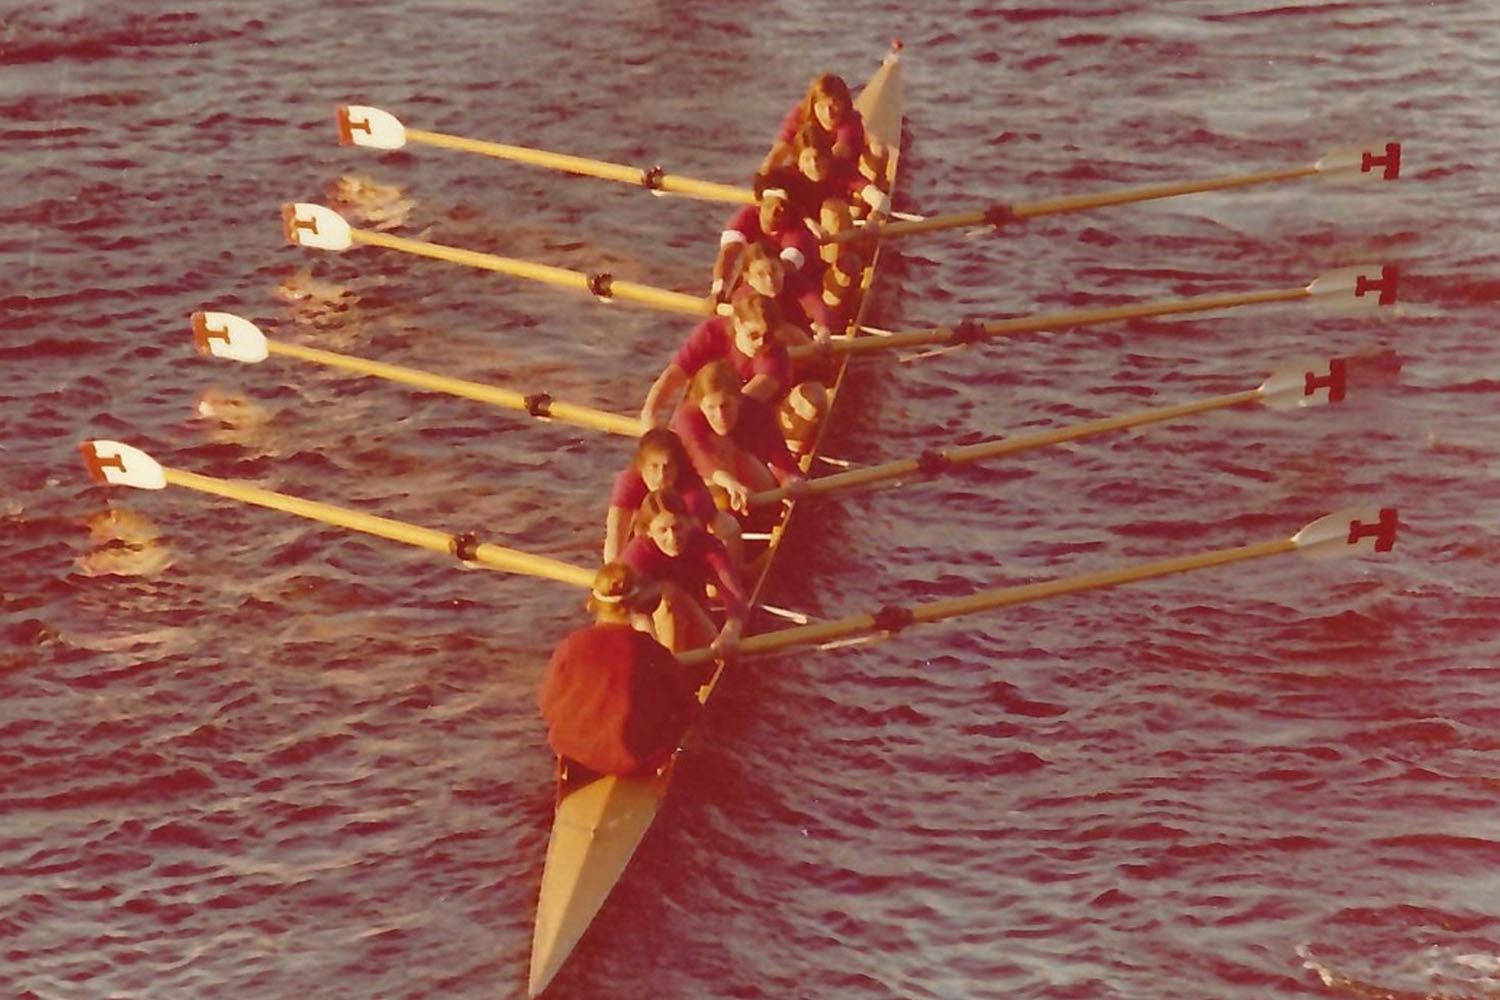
625, 174
1080, 203
1060, 206
933, 611
487, 554
905, 467
1061, 321
602, 285
539, 405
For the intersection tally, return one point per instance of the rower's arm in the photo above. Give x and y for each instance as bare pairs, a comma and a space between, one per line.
762, 387
615, 524
731, 244
663, 396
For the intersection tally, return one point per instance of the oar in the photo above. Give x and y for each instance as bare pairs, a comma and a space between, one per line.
360, 125
225, 335
1284, 389
120, 464
324, 229
1352, 286
1361, 529
1372, 162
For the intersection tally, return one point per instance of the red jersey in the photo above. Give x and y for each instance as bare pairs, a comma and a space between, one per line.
850, 133
615, 700
630, 490
794, 244
833, 318
713, 340
755, 432
703, 560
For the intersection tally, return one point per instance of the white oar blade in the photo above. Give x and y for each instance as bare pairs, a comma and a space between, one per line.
1360, 287
365, 126
314, 226
1311, 384
225, 335
1347, 532
119, 464
1376, 161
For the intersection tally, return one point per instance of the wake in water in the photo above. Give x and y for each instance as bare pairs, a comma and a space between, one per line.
1407, 953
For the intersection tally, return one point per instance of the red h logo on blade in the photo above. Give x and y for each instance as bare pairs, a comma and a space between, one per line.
203, 333
1386, 285
1383, 530
96, 463
290, 223
347, 126
1391, 161
1334, 381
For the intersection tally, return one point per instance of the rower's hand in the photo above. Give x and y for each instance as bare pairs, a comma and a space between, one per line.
739, 495
797, 487
727, 642
822, 341
651, 418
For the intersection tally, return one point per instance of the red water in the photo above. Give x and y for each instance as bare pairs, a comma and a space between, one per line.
246, 756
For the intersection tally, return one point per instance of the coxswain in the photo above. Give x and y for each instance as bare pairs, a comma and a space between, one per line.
745, 339
660, 463
615, 700
731, 438
771, 219
671, 548
828, 107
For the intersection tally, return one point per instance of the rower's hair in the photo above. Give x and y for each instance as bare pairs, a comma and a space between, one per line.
716, 376
838, 207
810, 135
848, 263
825, 85
662, 501
618, 586
766, 181
752, 307
756, 251
662, 441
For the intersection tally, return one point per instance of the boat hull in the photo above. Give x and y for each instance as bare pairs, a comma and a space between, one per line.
599, 823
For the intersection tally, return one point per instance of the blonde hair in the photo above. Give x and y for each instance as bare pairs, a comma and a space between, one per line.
662, 501
716, 376
616, 585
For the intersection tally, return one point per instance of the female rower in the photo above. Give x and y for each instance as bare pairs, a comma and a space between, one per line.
827, 107
615, 700
671, 548
829, 307
772, 220
800, 415
745, 339
732, 439
813, 179
660, 463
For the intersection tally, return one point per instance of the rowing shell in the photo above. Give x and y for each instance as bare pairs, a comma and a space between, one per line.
598, 824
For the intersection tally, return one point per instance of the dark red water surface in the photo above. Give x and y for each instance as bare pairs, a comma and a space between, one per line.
244, 756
